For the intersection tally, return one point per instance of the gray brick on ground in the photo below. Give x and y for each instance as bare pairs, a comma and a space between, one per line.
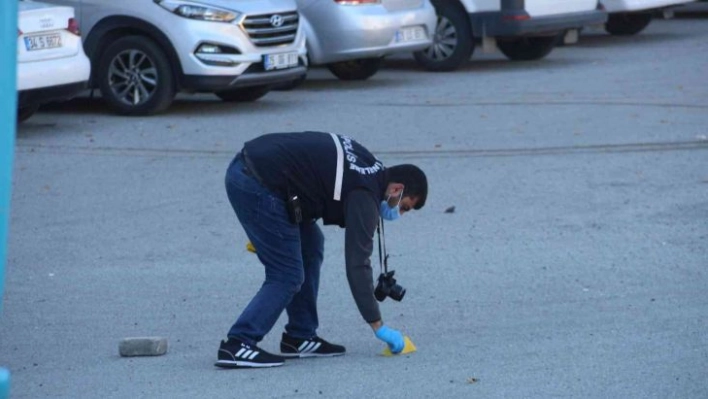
143, 346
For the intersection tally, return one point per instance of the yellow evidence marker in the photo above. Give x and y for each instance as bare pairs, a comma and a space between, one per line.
408, 347
250, 247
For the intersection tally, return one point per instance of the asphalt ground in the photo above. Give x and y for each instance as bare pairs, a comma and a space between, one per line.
573, 266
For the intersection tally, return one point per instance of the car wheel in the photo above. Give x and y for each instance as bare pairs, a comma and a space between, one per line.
361, 69
626, 24
25, 113
246, 94
528, 48
453, 43
135, 77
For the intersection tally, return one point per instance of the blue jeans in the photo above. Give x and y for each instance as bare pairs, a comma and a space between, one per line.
292, 255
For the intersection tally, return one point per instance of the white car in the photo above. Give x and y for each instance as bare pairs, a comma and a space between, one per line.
629, 17
51, 64
522, 30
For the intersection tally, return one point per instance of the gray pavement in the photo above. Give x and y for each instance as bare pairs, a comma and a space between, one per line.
574, 265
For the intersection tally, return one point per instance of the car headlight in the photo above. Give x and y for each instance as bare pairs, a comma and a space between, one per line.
201, 12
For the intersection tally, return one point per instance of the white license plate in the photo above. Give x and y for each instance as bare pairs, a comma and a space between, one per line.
280, 61
410, 34
42, 42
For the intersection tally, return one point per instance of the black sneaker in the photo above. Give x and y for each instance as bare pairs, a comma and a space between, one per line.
313, 347
235, 354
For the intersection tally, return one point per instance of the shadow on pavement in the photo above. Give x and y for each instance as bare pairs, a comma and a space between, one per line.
183, 105
692, 11
483, 65
320, 82
601, 39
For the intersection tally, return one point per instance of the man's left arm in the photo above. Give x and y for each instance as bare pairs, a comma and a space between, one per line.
362, 215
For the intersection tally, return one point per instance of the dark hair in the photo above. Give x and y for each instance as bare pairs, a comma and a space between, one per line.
414, 180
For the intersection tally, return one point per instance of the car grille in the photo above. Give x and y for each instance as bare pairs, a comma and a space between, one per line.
272, 29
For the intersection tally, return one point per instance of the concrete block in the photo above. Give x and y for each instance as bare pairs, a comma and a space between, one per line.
142, 346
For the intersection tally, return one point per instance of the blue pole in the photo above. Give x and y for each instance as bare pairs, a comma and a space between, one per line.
4, 383
8, 122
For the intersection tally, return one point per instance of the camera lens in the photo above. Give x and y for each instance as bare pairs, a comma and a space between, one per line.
397, 292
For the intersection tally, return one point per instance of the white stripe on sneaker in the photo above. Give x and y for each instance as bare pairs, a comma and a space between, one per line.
309, 347
238, 354
302, 346
255, 353
248, 353
315, 347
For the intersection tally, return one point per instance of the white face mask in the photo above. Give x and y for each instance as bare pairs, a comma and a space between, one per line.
391, 213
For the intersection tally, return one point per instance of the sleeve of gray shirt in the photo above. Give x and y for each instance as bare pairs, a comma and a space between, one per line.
362, 217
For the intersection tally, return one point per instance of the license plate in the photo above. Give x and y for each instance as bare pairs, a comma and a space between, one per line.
280, 61
42, 42
410, 34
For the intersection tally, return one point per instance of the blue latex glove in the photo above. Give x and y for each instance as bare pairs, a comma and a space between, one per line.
392, 337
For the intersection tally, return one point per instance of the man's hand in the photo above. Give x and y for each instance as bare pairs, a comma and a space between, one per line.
392, 337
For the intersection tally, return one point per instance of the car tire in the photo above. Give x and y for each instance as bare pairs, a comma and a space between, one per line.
245, 94
360, 69
626, 24
135, 77
25, 113
528, 48
453, 42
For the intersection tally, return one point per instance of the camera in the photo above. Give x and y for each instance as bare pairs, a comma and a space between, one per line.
387, 287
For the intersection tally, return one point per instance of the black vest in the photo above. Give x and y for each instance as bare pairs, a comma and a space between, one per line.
321, 168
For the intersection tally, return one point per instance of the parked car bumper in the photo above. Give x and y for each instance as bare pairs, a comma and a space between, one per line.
45, 81
44, 95
252, 77
519, 23
338, 33
54, 72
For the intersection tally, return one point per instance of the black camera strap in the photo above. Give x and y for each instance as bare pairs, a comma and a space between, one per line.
383, 256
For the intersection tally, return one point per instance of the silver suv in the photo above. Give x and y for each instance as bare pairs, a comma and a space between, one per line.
145, 51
